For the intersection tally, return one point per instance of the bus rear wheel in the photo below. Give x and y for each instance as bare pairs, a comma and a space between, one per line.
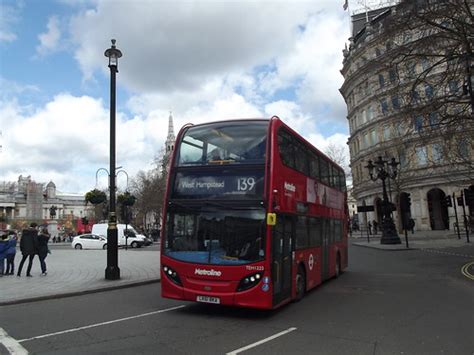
300, 284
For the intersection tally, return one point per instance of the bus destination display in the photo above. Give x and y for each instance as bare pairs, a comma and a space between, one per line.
240, 185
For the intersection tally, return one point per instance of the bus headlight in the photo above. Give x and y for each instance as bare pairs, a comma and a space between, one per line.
249, 281
172, 275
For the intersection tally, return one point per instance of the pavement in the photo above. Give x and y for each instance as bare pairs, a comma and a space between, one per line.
74, 272
417, 240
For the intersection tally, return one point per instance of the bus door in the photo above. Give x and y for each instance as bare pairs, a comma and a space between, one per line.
325, 250
282, 260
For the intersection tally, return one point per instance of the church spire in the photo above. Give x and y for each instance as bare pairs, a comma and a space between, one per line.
169, 144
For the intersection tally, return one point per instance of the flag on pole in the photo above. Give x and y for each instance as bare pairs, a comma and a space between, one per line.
346, 5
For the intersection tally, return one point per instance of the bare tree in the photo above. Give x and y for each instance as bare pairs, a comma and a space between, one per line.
149, 188
340, 155
430, 46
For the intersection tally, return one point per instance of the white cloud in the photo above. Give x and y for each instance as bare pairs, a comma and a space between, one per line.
49, 41
10, 88
68, 140
9, 17
181, 44
179, 54
203, 60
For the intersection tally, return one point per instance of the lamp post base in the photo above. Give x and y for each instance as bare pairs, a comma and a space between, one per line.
389, 233
112, 273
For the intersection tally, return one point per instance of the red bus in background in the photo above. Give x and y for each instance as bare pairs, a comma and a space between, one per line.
254, 215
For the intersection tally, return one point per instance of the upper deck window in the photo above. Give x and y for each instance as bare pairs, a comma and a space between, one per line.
238, 142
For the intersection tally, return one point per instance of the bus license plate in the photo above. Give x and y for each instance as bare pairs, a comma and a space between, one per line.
207, 299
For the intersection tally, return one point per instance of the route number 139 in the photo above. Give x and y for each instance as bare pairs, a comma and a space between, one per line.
245, 184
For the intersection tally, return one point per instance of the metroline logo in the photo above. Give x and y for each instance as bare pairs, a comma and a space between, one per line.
211, 272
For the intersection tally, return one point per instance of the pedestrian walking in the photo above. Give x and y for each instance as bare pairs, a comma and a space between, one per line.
11, 252
28, 247
411, 225
369, 226
376, 225
3, 252
43, 249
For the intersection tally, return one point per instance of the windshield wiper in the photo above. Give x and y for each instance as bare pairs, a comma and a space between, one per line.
216, 204
182, 205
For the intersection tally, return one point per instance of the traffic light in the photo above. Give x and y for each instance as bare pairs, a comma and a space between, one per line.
405, 202
469, 196
448, 201
405, 209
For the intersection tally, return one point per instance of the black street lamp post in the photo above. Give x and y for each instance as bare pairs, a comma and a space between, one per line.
384, 170
112, 272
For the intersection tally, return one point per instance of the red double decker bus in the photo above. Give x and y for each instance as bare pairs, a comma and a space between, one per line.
254, 215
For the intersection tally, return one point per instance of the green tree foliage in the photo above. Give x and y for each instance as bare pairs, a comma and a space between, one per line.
126, 199
95, 197
99, 200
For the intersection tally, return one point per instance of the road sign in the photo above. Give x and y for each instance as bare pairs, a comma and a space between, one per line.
369, 208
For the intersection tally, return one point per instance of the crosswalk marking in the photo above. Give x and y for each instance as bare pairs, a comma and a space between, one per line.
13, 346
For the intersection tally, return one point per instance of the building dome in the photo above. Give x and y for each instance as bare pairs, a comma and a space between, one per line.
51, 190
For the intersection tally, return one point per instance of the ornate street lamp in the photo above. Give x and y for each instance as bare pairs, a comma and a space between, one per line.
112, 272
382, 169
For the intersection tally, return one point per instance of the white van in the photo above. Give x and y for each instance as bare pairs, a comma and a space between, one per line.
134, 239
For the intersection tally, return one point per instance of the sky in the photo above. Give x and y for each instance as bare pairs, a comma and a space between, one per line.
203, 61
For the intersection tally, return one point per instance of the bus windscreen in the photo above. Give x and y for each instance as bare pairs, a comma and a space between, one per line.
216, 236
242, 142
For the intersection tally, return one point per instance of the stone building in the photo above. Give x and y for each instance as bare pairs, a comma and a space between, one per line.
27, 201
392, 113
351, 202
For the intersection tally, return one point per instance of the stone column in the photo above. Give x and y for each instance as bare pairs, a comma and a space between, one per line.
425, 214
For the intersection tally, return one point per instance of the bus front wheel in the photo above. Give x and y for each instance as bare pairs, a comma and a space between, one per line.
300, 284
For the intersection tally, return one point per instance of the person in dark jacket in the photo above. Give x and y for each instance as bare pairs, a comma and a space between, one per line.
11, 252
43, 239
3, 252
28, 247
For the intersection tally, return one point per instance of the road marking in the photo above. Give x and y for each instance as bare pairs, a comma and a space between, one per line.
101, 324
13, 347
262, 341
465, 270
447, 253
